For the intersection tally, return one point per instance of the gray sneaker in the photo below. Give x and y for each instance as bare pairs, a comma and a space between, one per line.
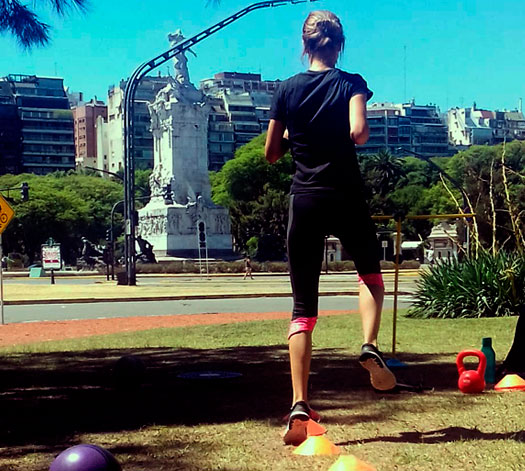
371, 359
296, 430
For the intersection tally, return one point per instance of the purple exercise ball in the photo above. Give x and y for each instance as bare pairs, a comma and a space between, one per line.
85, 458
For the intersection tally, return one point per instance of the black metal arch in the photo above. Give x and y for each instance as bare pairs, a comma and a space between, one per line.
129, 99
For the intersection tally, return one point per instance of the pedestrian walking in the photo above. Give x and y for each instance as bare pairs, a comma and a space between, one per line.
248, 270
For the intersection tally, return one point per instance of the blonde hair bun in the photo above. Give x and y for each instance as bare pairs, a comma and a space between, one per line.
322, 33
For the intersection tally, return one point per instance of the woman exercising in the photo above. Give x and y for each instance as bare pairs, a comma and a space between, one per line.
320, 115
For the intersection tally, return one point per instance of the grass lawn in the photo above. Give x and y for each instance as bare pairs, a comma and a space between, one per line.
57, 394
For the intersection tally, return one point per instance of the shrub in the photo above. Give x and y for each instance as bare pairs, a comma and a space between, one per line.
276, 267
344, 265
410, 264
486, 286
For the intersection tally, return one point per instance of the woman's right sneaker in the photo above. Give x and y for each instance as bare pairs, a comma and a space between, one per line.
296, 430
372, 360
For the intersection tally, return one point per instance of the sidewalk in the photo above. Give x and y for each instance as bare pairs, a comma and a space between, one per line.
149, 288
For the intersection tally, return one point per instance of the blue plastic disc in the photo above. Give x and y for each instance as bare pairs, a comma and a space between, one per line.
395, 363
209, 375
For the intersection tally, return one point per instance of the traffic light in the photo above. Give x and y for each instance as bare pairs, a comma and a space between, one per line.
201, 227
108, 235
24, 191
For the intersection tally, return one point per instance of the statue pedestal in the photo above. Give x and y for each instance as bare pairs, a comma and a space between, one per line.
172, 230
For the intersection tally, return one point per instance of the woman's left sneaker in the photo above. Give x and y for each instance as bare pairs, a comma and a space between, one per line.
297, 429
372, 360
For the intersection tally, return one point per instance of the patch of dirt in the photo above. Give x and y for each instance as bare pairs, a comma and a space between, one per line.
31, 332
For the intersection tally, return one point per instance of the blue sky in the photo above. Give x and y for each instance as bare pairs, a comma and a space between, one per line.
457, 51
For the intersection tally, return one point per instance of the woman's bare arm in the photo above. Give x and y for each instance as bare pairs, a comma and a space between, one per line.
276, 141
359, 131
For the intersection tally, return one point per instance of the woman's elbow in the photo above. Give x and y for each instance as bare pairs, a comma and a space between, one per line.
271, 155
360, 136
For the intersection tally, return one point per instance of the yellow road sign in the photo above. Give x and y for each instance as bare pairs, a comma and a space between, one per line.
6, 214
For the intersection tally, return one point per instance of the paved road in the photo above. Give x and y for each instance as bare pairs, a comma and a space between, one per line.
54, 312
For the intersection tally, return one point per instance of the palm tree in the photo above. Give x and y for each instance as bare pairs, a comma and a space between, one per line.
387, 170
23, 23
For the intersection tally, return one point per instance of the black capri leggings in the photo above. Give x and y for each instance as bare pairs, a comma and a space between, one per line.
311, 218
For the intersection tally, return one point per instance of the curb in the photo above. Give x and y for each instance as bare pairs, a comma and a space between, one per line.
26, 302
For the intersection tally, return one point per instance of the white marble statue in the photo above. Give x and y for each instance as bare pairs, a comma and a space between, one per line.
180, 61
179, 124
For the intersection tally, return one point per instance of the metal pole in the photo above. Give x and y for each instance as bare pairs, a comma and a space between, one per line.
199, 248
1, 280
396, 283
113, 238
326, 254
206, 252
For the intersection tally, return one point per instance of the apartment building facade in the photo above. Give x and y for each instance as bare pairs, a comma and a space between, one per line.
110, 130
474, 126
84, 117
10, 132
417, 128
240, 108
45, 123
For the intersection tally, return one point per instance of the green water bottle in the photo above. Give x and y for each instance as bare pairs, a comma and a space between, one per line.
490, 355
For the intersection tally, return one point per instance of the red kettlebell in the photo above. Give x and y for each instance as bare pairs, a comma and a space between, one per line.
471, 381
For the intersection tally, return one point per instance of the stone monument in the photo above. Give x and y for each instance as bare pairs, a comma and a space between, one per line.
180, 186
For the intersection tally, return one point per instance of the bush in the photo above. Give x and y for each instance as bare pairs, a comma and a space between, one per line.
410, 264
344, 265
275, 267
486, 286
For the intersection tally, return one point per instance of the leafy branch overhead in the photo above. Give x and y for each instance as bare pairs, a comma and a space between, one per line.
24, 23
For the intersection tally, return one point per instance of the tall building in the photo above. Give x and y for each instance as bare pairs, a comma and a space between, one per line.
112, 128
10, 132
240, 111
237, 82
515, 121
85, 116
221, 137
474, 126
418, 128
46, 123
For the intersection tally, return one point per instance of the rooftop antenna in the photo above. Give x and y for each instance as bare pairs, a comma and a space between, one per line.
405, 71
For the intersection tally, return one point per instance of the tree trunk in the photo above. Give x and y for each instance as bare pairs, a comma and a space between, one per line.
515, 361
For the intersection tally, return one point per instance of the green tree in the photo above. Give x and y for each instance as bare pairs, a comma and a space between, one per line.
381, 173
385, 171
256, 194
62, 206
479, 171
17, 19
142, 189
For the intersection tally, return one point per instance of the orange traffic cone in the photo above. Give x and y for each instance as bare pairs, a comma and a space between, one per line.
350, 463
313, 429
511, 383
319, 445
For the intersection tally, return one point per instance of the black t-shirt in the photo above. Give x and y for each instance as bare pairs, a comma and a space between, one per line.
314, 106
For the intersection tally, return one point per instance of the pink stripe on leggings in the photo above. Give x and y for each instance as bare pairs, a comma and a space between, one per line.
371, 279
301, 324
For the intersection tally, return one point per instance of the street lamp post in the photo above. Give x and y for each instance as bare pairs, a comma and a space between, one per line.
129, 99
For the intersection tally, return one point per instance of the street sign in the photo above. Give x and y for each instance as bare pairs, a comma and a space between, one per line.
6, 214
384, 244
51, 259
